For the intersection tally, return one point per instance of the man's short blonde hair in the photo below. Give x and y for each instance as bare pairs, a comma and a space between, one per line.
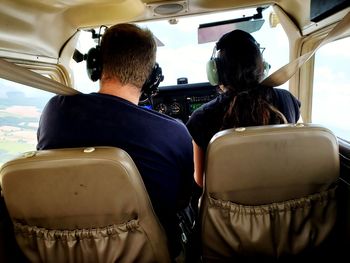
128, 53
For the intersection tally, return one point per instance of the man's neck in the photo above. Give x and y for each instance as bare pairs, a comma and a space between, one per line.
114, 87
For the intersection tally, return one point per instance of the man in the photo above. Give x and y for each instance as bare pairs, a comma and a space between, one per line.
159, 145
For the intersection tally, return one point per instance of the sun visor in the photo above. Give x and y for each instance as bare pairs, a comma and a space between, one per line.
213, 31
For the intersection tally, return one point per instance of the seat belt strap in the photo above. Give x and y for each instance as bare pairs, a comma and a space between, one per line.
283, 74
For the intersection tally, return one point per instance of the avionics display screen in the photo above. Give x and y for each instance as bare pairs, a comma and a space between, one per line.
194, 106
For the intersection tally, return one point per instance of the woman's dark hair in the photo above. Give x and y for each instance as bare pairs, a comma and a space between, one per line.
241, 68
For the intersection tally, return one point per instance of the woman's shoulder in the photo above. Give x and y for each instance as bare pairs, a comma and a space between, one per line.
287, 104
215, 105
209, 113
286, 96
209, 109
282, 92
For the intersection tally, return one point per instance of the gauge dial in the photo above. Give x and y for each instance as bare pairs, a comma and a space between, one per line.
161, 108
175, 108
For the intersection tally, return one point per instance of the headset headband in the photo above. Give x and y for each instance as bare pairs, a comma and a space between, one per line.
236, 37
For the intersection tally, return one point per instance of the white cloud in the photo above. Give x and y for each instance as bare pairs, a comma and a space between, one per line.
23, 111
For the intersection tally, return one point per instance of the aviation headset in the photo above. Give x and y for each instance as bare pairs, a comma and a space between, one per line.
213, 65
94, 70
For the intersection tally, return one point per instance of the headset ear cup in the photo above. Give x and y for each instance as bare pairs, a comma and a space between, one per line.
93, 63
212, 72
150, 87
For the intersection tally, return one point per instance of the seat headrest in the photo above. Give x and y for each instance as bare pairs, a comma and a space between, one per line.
94, 186
258, 165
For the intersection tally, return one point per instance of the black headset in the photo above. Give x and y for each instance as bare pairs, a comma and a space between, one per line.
94, 63
150, 87
94, 69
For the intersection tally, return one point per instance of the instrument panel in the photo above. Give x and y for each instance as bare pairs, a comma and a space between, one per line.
180, 101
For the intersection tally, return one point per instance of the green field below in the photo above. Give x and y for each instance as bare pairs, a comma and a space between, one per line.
16, 147
9, 150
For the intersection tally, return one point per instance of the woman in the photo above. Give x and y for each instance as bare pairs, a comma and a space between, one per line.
238, 69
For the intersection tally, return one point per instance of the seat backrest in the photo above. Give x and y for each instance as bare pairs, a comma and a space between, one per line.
269, 190
82, 205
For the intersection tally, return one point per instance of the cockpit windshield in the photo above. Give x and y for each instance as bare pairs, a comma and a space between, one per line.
181, 56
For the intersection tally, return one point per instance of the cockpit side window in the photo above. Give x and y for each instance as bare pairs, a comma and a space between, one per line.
331, 88
20, 110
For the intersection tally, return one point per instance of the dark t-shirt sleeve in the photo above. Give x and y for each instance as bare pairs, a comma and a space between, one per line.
47, 123
55, 125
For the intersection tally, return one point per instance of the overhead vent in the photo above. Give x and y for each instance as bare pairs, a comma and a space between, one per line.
168, 8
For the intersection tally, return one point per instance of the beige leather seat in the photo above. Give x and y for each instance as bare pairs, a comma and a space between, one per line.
82, 205
269, 191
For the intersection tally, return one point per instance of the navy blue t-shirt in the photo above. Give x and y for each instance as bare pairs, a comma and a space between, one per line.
207, 120
160, 146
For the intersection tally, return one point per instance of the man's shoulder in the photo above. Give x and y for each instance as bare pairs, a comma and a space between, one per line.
91, 101
67, 98
165, 120
60, 103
